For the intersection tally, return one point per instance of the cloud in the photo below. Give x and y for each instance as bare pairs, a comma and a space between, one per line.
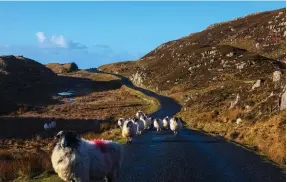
102, 46
84, 58
57, 41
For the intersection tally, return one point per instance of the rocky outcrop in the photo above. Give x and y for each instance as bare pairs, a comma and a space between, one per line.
62, 68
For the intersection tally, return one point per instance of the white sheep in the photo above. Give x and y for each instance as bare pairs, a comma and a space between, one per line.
129, 130
157, 123
46, 126
79, 160
121, 122
53, 125
166, 123
175, 125
139, 114
50, 125
139, 125
146, 121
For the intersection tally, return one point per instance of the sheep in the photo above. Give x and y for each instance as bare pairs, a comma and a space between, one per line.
139, 114
166, 123
139, 125
129, 130
50, 125
146, 121
53, 124
121, 122
46, 126
175, 125
157, 123
79, 160
151, 122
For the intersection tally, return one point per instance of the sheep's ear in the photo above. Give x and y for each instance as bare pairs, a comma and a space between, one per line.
59, 134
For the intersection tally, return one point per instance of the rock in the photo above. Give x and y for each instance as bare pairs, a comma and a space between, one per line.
247, 108
230, 54
233, 103
256, 85
240, 66
277, 77
62, 68
283, 101
238, 120
137, 79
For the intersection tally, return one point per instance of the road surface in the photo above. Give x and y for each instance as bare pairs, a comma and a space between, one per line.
190, 156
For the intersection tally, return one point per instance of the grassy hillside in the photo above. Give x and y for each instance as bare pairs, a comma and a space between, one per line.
229, 78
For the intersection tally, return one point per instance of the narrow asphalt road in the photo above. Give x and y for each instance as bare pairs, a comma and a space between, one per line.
190, 156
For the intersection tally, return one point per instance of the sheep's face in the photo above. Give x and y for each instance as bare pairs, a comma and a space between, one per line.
68, 139
130, 124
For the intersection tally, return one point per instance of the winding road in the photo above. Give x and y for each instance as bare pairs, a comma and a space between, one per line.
190, 156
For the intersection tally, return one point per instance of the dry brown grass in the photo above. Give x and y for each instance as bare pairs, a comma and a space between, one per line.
28, 157
266, 136
24, 165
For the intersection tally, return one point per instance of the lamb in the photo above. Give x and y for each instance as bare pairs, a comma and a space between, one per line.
146, 121
175, 125
166, 123
129, 130
121, 122
139, 125
79, 160
157, 123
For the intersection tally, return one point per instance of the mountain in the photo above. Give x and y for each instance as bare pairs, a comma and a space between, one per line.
229, 79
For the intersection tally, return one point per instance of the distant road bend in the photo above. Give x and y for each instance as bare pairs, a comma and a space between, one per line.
190, 156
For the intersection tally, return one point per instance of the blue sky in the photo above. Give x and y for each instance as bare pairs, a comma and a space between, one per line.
96, 33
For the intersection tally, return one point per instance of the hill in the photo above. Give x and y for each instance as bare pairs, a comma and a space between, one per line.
229, 79
62, 68
18, 78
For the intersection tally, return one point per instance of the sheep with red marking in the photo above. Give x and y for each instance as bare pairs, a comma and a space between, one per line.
79, 160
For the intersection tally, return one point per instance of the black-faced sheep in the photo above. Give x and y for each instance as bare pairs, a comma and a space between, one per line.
78, 160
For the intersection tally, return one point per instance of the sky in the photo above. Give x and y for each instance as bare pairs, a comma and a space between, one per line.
96, 33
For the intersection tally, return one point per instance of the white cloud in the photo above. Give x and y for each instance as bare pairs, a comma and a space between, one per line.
57, 41
41, 37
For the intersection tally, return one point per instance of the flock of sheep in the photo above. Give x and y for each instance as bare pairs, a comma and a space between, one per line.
78, 160
132, 127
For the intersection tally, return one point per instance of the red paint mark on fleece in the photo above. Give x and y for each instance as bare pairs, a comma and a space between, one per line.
100, 144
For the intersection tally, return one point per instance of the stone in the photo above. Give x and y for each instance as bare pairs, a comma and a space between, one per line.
277, 76
256, 85
233, 103
238, 120
283, 101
